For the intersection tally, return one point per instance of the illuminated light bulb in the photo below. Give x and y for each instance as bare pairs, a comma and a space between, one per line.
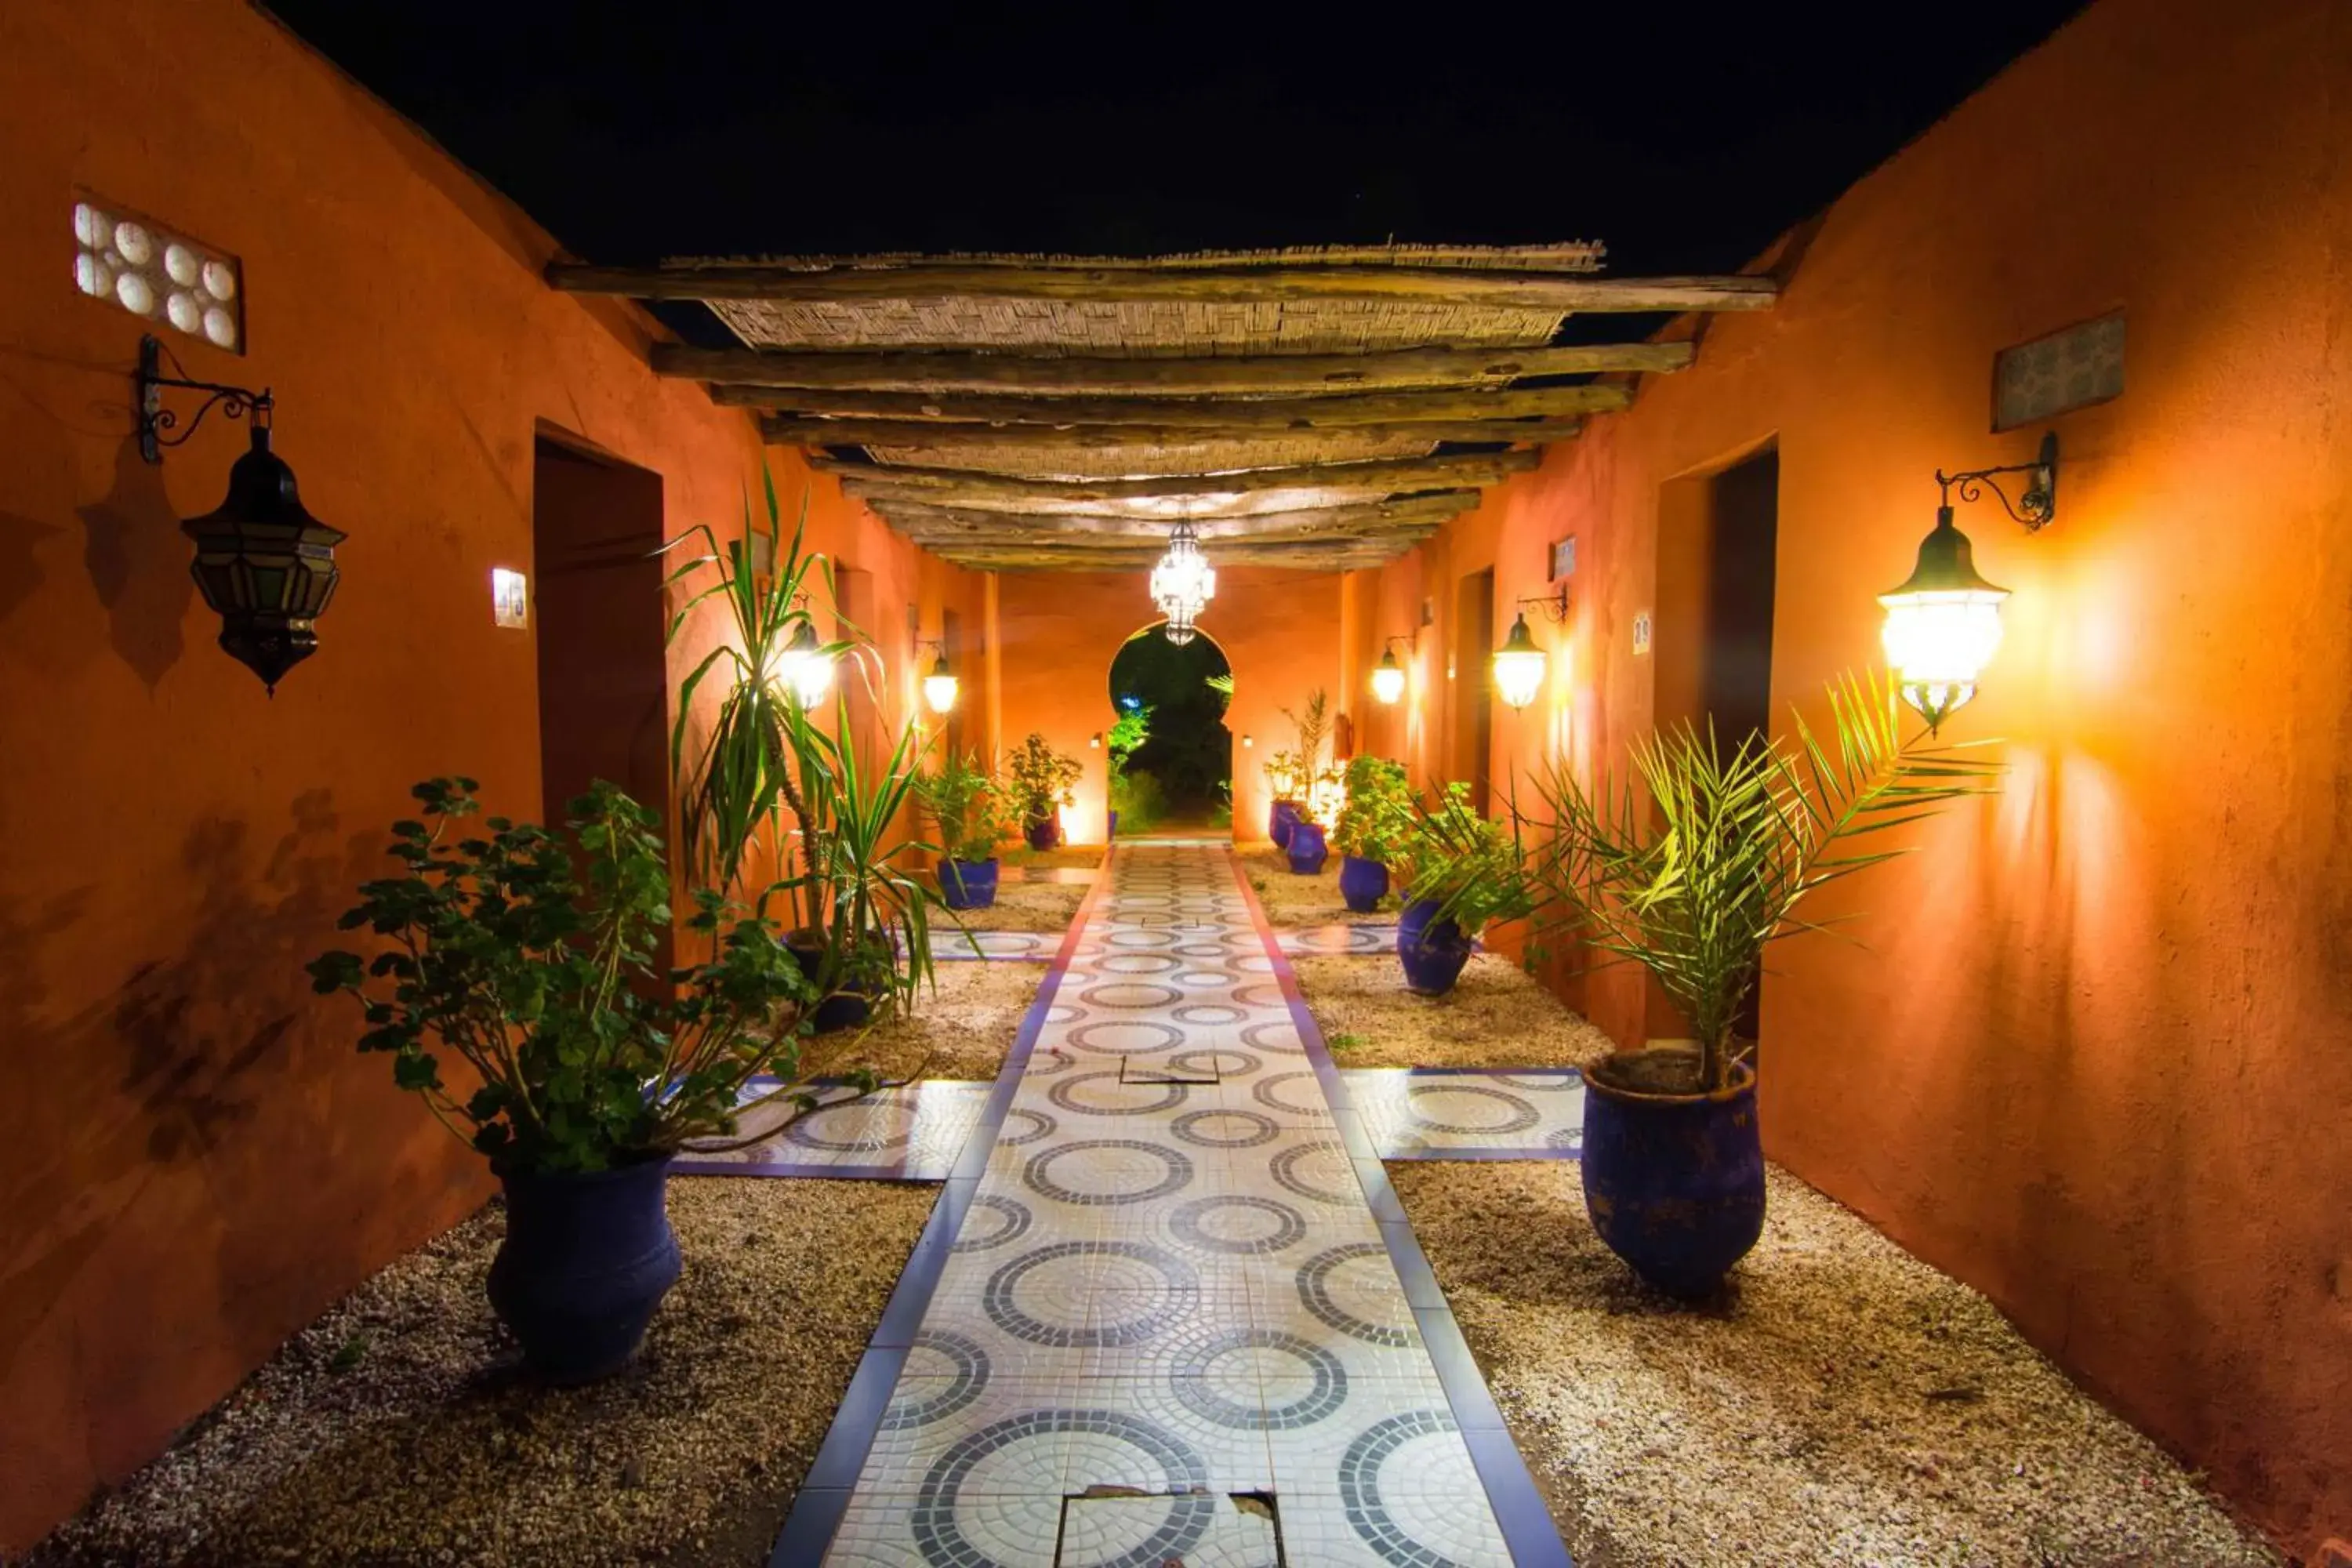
939, 686
1182, 584
804, 669
1388, 678
1943, 624
1520, 666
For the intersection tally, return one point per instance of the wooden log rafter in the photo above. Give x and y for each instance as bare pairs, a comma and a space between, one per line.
1121, 438
913, 518
1387, 475
1499, 289
1339, 411
962, 370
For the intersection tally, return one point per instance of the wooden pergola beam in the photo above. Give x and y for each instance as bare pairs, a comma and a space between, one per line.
954, 370
1344, 411
941, 535
1551, 291
1116, 437
1000, 558
1324, 521
1383, 476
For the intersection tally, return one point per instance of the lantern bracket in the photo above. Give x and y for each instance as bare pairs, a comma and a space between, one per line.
1554, 605
154, 420
1409, 639
2037, 502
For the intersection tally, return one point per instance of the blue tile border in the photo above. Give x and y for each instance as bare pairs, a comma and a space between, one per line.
823, 1498
1519, 1508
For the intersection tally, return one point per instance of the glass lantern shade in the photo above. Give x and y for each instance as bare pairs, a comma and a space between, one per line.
1943, 624
265, 565
940, 686
1520, 666
806, 670
1388, 678
1183, 583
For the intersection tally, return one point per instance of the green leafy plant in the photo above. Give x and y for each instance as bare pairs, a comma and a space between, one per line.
528, 958
1468, 866
1041, 778
1282, 775
1693, 882
1378, 817
1137, 797
1127, 733
968, 808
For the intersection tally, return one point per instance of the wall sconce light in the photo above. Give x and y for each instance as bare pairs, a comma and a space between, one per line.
1520, 662
1094, 741
805, 667
1388, 675
263, 564
939, 685
1248, 741
1943, 624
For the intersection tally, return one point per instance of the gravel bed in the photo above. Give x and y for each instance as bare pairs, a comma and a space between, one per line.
962, 1029
1291, 899
1023, 906
1842, 1403
1494, 1016
1084, 856
394, 1431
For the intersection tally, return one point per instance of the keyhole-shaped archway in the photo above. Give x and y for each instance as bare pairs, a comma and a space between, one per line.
1182, 771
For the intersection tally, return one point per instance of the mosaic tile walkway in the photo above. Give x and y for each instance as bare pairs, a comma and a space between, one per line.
949, 943
1169, 1296
910, 1134
1453, 1113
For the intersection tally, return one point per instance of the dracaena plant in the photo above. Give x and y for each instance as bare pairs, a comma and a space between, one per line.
1378, 817
1695, 872
525, 958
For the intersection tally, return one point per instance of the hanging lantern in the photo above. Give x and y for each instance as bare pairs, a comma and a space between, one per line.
939, 686
1388, 677
1943, 624
1183, 583
1519, 665
805, 669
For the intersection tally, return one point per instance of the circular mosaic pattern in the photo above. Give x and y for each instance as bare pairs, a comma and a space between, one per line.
1149, 941
1206, 979
1319, 1160
1178, 1289
808, 1131
1065, 1092
1359, 1487
992, 1222
1139, 964
1191, 1507
1260, 995
1320, 1292
1517, 1116
1280, 1035
960, 1361
1300, 1087
1225, 1129
1194, 1382
1569, 1138
1208, 1015
1213, 1063
1127, 1180
1063, 1013
1125, 1036
1543, 1082
1131, 995
1207, 1223
1023, 1126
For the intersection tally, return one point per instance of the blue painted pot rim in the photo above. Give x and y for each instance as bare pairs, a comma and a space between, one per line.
1743, 1082
631, 1164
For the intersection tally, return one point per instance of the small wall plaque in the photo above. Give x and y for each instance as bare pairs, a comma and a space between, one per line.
1563, 558
1641, 633
510, 599
2065, 371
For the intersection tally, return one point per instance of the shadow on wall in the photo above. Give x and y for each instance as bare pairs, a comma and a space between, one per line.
178, 1095
137, 562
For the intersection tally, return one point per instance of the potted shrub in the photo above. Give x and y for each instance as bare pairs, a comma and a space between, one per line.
971, 817
1371, 831
1692, 882
1042, 780
1466, 875
774, 784
528, 958
1135, 796
1298, 769
1308, 850
1281, 772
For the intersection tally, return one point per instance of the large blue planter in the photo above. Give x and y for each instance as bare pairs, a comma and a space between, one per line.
1431, 951
1674, 1183
1363, 883
1307, 849
1042, 832
968, 884
1285, 816
585, 1261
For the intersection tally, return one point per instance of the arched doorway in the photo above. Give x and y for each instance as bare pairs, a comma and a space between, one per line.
1181, 774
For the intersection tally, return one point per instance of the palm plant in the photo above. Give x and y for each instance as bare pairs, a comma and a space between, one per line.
1696, 882
1466, 864
1312, 726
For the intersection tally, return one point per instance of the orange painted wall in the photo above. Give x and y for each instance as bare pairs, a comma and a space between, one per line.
196, 1161
1279, 631
2092, 1059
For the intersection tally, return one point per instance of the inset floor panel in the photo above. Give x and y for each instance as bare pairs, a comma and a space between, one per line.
1449, 1113
1199, 1530
911, 1133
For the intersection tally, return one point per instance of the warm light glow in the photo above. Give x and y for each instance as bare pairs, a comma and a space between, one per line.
1327, 799
510, 598
1182, 584
1388, 678
806, 670
939, 686
1938, 644
1520, 666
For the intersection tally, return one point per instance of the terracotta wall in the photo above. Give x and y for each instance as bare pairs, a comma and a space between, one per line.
2091, 1061
1059, 630
196, 1162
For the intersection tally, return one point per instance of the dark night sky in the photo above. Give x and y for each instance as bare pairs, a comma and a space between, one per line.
1683, 137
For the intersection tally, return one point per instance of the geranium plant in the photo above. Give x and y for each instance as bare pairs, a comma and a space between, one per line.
1041, 778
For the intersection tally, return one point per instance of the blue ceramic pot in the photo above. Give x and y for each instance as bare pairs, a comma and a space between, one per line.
1363, 883
1674, 1183
968, 884
585, 1261
1285, 816
1042, 832
1431, 951
1306, 848
1113, 832
846, 1006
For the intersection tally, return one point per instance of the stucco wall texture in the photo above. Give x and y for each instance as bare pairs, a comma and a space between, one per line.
193, 1162
2092, 1058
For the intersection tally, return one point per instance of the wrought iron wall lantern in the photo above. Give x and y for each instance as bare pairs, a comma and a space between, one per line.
939, 686
1943, 624
1388, 675
1520, 662
805, 667
263, 564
